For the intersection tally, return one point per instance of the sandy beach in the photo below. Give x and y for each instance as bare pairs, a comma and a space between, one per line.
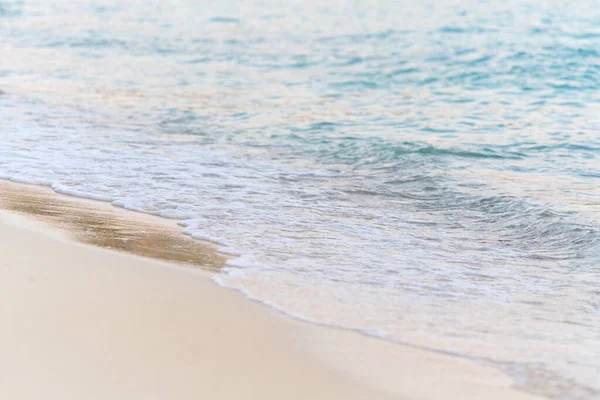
81, 322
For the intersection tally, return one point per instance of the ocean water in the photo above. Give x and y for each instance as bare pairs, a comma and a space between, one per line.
423, 171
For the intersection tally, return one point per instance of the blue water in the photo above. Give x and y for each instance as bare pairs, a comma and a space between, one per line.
423, 171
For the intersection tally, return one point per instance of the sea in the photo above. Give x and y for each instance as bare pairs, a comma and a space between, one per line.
423, 171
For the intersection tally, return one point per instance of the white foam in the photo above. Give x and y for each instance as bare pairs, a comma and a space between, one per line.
76, 193
30, 181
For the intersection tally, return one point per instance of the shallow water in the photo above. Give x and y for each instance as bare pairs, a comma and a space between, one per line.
423, 171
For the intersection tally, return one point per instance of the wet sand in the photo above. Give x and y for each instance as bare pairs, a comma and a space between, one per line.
103, 225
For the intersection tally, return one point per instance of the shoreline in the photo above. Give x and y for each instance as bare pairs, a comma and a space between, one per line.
98, 330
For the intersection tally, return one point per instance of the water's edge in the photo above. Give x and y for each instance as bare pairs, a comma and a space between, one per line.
216, 276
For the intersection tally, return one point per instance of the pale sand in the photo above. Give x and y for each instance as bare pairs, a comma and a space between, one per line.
82, 322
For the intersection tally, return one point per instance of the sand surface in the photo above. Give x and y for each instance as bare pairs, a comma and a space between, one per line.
82, 322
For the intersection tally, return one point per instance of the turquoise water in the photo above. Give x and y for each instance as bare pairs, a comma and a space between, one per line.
422, 171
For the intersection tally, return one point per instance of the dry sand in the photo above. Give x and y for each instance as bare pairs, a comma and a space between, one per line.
82, 322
